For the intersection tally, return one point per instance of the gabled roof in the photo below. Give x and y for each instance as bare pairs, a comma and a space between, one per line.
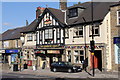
58, 14
100, 9
12, 33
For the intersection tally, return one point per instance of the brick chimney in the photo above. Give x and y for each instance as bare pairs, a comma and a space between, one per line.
63, 4
39, 11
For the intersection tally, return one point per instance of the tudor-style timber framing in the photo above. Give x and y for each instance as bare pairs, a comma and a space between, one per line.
50, 38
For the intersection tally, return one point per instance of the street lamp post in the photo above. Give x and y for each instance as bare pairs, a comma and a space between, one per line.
92, 43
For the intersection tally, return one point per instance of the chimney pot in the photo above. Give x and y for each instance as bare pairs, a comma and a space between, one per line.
39, 11
63, 4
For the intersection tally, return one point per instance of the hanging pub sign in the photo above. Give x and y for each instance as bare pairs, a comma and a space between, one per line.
12, 51
47, 20
53, 51
116, 40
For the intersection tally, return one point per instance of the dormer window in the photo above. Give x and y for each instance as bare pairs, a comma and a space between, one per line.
73, 12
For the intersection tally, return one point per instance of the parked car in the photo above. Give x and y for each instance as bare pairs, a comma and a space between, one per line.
64, 66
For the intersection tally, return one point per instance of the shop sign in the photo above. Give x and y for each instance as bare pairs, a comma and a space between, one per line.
53, 51
49, 46
116, 40
12, 51
2, 51
40, 51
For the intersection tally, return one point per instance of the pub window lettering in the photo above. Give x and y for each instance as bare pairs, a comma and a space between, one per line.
118, 17
78, 32
29, 37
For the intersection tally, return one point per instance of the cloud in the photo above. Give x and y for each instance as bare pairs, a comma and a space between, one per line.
6, 24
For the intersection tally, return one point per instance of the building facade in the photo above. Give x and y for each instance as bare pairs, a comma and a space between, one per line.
115, 35
11, 46
50, 37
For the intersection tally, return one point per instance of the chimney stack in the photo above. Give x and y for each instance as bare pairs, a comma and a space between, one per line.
26, 22
63, 4
39, 11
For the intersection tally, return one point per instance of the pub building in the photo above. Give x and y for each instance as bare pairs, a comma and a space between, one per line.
50, 37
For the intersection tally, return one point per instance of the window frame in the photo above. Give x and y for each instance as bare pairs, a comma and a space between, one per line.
66, 32
94, 28
30, 35
78, 29
79, 55
69, 55
118, 17
50, 35
72, 12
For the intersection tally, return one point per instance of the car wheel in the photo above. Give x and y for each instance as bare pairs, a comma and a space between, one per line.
54, 69
69, 70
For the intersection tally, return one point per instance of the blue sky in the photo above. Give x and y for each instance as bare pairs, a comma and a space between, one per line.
15, 14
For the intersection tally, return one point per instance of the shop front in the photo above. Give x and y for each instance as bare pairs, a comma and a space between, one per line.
47, 56
11, 56
81, 55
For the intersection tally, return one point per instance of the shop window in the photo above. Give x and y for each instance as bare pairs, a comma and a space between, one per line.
95, 30
78, 56
29, 37
69, 56
78, 32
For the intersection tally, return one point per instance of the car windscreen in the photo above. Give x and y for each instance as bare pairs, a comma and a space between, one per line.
68, 63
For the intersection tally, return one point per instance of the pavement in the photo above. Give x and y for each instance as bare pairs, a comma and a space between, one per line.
46, 73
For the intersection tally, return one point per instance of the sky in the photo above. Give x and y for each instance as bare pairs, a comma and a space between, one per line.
15, 14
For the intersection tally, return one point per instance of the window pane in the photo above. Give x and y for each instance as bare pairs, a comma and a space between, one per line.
81, 59
96, 31
119, 20
69, 56
81, 52
80, 32
76, 59
119, 14
76, 53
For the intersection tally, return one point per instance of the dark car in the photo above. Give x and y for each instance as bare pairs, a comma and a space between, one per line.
64, 66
